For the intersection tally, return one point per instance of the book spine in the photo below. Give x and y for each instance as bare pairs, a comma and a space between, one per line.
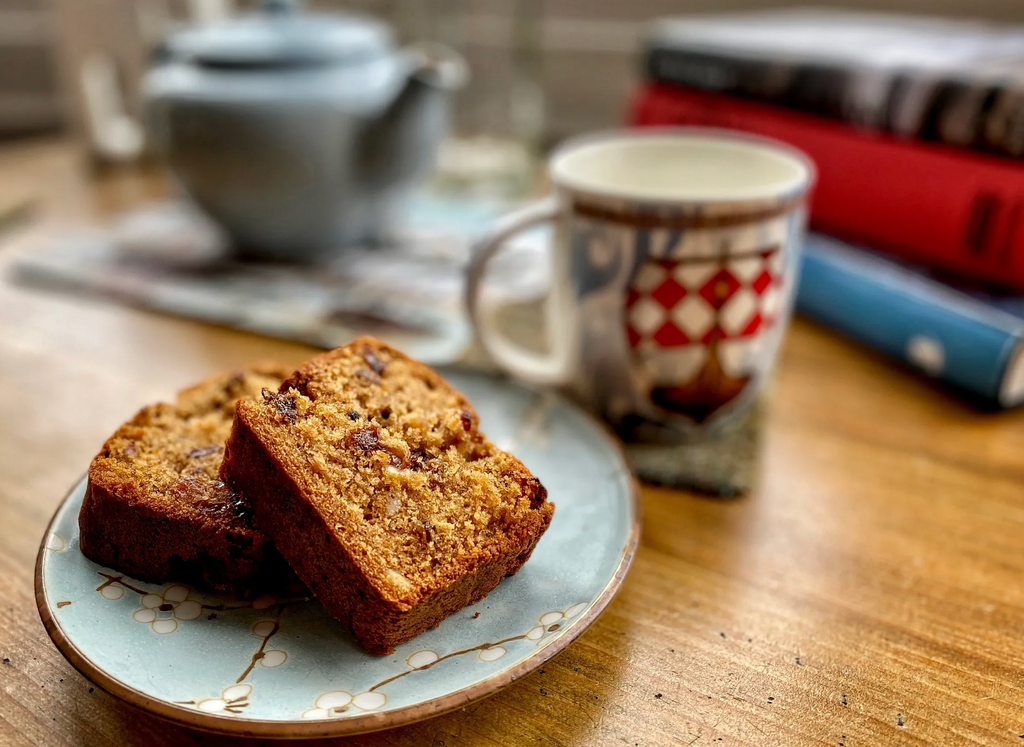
936, 206
816, 89
986, 116
936, 329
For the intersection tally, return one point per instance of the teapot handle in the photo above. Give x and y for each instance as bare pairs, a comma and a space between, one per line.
437, 65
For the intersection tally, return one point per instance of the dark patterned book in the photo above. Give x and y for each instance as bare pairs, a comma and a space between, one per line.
960, 83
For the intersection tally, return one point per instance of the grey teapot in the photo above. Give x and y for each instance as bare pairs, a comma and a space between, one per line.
299, 133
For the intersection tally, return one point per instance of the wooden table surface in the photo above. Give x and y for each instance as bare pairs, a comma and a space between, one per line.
868, 592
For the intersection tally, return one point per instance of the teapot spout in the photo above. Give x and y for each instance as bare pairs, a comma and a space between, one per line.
400, 146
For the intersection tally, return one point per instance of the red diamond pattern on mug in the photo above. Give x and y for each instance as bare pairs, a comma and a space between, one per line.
669, 292
752, 326
672, 304
762, 282
719, 288
670, 336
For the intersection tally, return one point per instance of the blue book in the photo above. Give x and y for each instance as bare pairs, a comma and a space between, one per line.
973, 342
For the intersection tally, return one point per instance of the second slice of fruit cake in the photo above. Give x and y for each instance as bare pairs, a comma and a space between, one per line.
155, 507
371, 475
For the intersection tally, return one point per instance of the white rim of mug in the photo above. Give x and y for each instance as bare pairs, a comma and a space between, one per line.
573, 145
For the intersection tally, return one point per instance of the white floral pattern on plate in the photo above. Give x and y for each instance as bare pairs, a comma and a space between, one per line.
334, 703
162, 610
232, 700
269, 658
552, 621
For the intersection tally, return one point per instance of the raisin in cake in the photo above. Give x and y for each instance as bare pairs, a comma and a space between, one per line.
155, 507
372, 477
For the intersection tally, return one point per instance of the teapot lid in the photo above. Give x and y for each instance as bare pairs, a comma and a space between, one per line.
280, 37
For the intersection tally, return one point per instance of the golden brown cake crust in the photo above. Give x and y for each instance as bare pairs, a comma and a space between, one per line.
371, 475
155, 508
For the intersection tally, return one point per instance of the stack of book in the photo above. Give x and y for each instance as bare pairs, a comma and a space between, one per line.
917, 128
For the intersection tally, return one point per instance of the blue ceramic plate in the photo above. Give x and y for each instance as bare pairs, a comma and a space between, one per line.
281, 667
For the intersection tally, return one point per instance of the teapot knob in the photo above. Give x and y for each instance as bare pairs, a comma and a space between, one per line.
282, 6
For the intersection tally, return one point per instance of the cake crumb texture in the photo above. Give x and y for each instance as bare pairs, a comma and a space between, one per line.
372, 476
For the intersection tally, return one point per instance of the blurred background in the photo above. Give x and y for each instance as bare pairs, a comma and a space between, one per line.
915, 120
583, 53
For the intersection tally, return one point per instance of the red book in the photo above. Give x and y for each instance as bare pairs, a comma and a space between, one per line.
937, 205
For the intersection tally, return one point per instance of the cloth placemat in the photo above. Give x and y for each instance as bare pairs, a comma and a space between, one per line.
167, 257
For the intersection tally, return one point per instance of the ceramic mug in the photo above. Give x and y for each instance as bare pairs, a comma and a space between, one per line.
674, 264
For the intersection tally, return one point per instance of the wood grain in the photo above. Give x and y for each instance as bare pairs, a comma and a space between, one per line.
867, 593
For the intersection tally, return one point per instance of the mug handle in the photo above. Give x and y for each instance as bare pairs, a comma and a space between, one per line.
551, 368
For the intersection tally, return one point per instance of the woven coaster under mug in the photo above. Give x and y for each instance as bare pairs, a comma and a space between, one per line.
674, 263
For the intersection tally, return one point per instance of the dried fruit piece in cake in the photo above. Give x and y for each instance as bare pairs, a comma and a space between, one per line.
370, 473
155, 507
